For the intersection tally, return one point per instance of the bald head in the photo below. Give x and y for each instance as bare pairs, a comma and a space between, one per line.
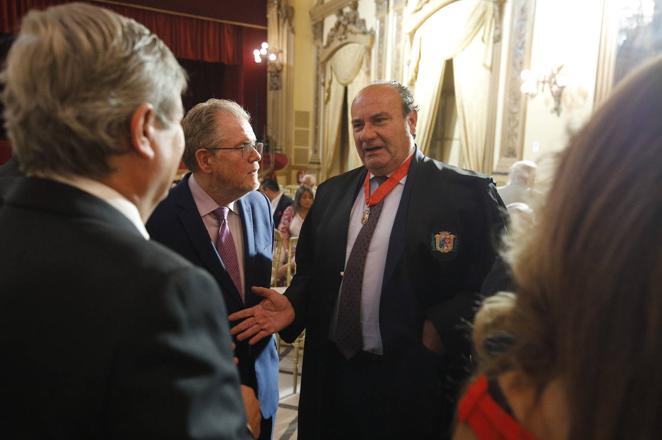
383, 125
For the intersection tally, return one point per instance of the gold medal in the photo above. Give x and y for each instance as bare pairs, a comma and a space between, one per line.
366, 214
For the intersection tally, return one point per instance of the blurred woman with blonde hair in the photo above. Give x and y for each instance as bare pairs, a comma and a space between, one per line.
585, 355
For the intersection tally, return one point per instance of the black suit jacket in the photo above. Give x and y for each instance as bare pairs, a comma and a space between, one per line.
105, 334
9, 172
422, 280
283, 203
177, 224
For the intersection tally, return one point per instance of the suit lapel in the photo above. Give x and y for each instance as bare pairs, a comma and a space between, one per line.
341, 218
246, 214
197, 232
398, 240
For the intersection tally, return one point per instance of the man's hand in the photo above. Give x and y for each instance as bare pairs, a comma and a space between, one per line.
252, 407
431, 339
271, 315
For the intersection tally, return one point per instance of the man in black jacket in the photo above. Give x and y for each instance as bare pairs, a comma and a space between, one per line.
279, 200
390, 262
104, 333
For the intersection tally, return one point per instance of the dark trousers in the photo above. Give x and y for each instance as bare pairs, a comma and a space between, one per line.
362, 403
266, 428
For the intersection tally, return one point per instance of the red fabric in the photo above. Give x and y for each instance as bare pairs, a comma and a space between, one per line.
486, 418
239, 79
244, 11
5, 151
188, 38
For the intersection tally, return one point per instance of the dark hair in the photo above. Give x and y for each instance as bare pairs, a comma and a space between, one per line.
271, 184
297, 197
406, 97
589, 304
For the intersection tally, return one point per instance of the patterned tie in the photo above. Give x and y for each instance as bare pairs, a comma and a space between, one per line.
226, 249
348, 336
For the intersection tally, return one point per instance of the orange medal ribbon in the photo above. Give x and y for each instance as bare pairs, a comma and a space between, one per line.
384, 189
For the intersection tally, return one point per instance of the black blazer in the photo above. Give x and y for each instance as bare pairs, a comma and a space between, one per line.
105, 334
177, 224
422, 280
283, 203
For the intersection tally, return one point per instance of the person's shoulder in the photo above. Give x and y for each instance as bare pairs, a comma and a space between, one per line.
151, 265
167, 207
339, 181
453, 174
257, 199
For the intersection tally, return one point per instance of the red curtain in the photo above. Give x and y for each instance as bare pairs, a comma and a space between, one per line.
188, 38
217, 68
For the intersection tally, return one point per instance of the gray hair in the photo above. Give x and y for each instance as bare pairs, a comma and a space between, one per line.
74, 77
201, 129
523, 172
406, 96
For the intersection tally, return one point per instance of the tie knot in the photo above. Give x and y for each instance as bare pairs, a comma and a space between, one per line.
379, 179
376, 181
222, 213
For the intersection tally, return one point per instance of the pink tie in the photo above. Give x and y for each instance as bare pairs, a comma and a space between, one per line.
226, 249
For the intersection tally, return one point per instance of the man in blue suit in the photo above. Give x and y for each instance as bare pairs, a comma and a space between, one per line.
390, 262
216, 219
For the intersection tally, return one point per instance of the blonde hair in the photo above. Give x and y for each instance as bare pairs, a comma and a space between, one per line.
589, 276
74, 77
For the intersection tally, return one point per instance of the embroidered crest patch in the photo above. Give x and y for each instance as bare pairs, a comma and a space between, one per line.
444, 242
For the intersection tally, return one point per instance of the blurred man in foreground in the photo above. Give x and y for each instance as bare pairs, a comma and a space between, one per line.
104, 333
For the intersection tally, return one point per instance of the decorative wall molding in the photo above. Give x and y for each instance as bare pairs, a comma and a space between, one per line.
348, 28
398, 40
280, 93
381, 15
606, 55
519, 57
321, 11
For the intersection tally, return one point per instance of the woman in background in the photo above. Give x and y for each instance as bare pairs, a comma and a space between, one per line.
295, 214
585, 352
290, 226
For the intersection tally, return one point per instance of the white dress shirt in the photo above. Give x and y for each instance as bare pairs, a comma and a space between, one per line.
274, 204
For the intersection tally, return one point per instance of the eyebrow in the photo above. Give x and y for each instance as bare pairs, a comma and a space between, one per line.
373, 116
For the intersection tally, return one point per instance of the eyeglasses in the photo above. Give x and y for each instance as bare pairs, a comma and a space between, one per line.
245, 148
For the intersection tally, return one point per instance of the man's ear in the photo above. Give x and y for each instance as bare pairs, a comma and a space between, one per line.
412, 118
202, 157
142, 130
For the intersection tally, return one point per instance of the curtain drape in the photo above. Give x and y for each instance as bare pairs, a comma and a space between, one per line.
333, 101
467, 25
188, 38
472, 87
344, 75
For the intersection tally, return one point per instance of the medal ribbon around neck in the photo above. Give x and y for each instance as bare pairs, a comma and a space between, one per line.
385, 188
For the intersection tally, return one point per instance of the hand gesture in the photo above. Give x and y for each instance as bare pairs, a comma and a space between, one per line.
271, 315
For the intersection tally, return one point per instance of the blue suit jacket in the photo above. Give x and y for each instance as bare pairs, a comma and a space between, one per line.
177, 224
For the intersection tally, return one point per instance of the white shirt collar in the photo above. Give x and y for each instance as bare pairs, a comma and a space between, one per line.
108, 195
274, 202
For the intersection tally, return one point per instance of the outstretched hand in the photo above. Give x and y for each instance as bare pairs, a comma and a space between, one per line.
271, 315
